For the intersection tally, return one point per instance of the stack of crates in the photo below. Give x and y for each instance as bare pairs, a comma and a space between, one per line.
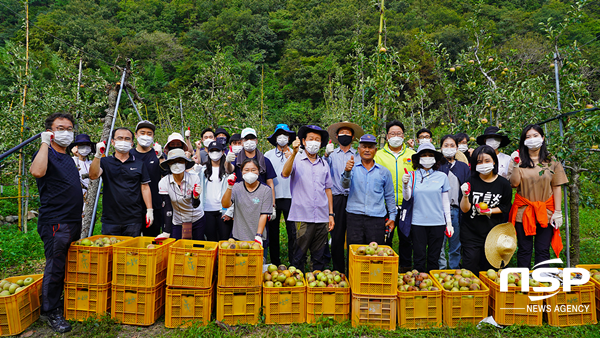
138, 280
374, 284
581, 297
190, 283
239, 284
88, 278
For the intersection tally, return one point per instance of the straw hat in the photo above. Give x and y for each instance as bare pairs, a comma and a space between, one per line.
175, 154
501, 244
333, 129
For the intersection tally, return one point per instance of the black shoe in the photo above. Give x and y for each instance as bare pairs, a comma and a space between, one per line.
56, 321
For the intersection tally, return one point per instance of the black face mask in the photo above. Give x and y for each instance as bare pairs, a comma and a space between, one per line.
345, 139
222, 140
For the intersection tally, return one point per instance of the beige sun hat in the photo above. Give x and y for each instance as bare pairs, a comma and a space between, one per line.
333, 130
501, 244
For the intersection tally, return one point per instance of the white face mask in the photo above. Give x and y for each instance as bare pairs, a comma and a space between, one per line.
250, 177
215, 155
63, 137
534, 143
424, 140
449, 152
177, 168
249, 145
145, 141
312, 147
395, 141
282, 140
84, 150
207, 142
463, 147
493, 142
122, 146
236, 149
485, 168
427, 162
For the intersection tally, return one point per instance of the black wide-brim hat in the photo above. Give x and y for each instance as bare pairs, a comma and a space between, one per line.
493, 132
314, 129
439, 157
82, 139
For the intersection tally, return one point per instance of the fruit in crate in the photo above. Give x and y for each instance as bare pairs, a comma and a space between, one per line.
8, 289
326, 278
98, 243
458, 280
233, 244
282, 276
415, 281
373, 249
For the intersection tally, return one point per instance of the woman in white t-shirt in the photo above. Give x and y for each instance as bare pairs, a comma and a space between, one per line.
219, 221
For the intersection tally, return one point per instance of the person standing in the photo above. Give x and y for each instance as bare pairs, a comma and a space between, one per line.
342, 133
206, 137
148, 151
537, 209
59, 220
281, 138
371, 197
429, 188
396, 157
483, 186
222, 137
458, 172
82, 147
312, 201
126, 187
495, 138
463, 145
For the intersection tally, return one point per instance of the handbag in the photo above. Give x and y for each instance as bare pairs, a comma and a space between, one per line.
405, 211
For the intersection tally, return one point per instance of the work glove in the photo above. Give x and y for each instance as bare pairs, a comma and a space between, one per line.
449, 229
157, 149
258, 239
231, 180
273, 215
162, 236
230, 157
466, 188
557, 219
187, 132
47, 137
100, 149
149, 217
515, 158
197, 191
486, 212
329, 148
405, 178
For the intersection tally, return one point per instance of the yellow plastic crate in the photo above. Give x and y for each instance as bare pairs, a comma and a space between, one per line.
580, 295
187, 306
191, 264
373, 275
327, 303
285, 305
240, 268
137, 305
510, 307
135, 265
90, 265
419, 309
375, 311
85, 300
20, 310
237, 306
596, 285
463, 306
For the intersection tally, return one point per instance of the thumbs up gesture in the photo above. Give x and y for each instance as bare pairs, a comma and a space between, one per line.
350, 164
296, 145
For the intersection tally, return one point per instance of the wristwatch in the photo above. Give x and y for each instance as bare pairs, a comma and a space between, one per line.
332, 214
259, 235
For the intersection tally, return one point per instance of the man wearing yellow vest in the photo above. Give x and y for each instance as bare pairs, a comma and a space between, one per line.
396, 156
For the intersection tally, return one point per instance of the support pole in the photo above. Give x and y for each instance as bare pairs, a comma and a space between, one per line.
133, 104
21, 156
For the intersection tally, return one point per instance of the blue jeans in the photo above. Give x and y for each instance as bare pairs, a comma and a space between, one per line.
454, 249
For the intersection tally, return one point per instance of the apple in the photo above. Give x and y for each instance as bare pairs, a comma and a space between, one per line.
4, 293
491, 60
278, 284
244, 245
269, 284
361, 251
28, 281
492, 274
452, 70
382, 50
86, 242
471, 61
20, 282
369, 251
373, 245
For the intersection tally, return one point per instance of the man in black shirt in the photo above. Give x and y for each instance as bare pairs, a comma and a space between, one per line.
61, 204
126, 187
144, 133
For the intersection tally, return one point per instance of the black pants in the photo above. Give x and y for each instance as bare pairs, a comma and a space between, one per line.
405, 245
198, 228
526, 244
427, 245
311, 236
57, 238
132, 229
155, 229
217, 229
282, 206
473, 257
364, 229
338, 234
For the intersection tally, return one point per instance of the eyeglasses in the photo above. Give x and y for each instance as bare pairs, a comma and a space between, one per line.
64, 129
396, 134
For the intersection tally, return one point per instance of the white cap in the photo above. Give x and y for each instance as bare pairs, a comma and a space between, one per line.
248, 131
178, 137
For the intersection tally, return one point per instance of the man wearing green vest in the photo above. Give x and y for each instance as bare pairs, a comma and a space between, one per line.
396, 156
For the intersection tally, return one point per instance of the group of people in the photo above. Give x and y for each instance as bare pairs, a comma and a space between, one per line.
224, 187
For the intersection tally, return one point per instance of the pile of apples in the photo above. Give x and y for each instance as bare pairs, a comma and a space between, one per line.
233, 244
514, 279
373, 249
282, 276
595, 274
326, 279
99, 243
415, 281
461, 280
9, 288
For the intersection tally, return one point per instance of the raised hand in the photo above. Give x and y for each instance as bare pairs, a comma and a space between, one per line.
350, 164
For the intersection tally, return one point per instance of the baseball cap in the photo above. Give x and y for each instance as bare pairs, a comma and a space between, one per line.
248, 131
368, 138
145, 124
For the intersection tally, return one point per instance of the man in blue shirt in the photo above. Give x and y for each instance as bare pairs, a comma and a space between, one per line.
371, 196
342, 133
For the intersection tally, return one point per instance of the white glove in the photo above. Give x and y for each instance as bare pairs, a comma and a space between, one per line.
187, 133
557, 219
449, 229
329, 148
466, 188
515, 158
258, 239
231, 180
274, 214
149, 217
164, 235
47, 137
230, 157
157, 149
405, 178
100, 149
197, 191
